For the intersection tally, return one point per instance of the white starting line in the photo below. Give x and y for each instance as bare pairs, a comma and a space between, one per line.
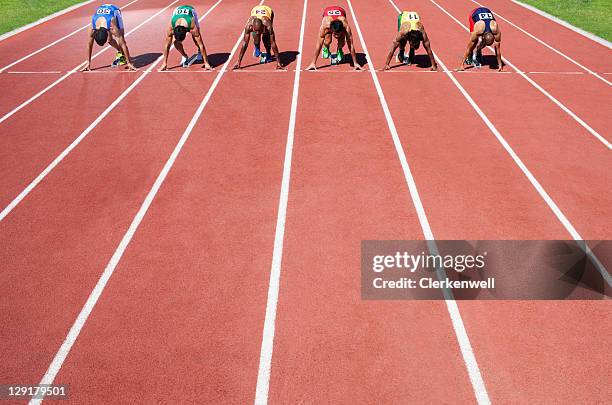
320, 70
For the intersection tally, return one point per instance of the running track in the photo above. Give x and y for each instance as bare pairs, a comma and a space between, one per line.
217, 216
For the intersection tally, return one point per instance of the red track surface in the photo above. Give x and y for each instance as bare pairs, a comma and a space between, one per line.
181, 319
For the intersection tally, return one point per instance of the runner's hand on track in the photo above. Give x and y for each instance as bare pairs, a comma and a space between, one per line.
357, 67
501, 68
163, 67
311, 67
130, 66
280, 67
87, 68
434, 68
237, 66
387, 67
207, 66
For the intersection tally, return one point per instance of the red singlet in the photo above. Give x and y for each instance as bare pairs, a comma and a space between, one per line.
334, 12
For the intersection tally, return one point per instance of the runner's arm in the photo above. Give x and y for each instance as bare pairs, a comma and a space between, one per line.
197, 38
351, 45
89, 49
394, 46
116, 33
427, 46
498, 53
167, 45
319, 45
275, 47
245, 43
470, 48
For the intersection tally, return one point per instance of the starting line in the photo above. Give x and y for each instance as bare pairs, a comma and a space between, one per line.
320, 70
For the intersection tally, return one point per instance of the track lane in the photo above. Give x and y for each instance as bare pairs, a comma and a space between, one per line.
32, 39
27, 145
61, 57
591, 54
347, 185
562, 362
446, 141
75, 218
206, 319
24, 101
576, 92
563, 157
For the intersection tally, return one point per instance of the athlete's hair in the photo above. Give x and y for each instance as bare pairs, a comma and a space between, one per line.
488, 38
257, 23
414, 38
336, 26
180, 33
100, 35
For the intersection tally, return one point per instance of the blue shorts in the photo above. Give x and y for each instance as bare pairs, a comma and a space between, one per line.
108, 12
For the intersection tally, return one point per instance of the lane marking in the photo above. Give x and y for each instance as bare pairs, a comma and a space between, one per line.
537, 86
269, 327
93, 298
41, 176
478, 385
69, 73
532, 179
559, 21
35, 73
42, 20
549, 46
57, 41
395, 70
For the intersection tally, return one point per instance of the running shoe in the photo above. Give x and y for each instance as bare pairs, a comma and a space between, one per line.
119, 60
400, 56
339, 56
325, 53
256, 52
186, 62
264, 58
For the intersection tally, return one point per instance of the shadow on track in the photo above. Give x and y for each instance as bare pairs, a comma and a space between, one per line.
145, 59
217, 59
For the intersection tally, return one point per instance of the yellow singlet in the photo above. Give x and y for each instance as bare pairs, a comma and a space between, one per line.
261, 11
411, 17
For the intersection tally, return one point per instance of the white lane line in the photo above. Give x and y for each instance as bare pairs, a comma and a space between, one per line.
555, 73
57, 41
478, 385
549, 47
396, 70
532, 179
42, 20
64, 77
34, 73
24, 193
269, 327
93, 298
559, 21
537, 86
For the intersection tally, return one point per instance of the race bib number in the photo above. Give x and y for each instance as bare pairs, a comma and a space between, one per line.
334, 13
182, 11
262, 12
485, 16
413, 16
103, 11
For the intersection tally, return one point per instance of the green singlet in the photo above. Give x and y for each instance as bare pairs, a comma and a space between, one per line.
183, 12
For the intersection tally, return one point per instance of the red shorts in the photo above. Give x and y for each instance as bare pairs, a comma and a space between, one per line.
471, 20
334, 12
